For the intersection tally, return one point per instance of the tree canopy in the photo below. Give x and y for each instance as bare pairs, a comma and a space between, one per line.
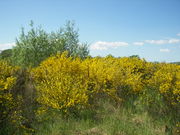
36, 45
6, 54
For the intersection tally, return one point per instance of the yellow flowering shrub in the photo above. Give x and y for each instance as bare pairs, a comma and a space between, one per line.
7, 81
132, 73
114, 76
6, 78
99, 76
60, 82
64, 83
167, 80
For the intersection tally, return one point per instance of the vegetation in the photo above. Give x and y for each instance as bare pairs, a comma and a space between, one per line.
37, 45
178, 63
6, 54
64, 92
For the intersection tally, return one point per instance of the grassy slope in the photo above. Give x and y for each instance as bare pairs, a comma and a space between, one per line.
106, 120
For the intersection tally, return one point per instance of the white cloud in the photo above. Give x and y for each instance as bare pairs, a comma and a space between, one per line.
174, 41
161, 42
100, 45
178, 34
6, 46
139, 43
158, 42
164, 50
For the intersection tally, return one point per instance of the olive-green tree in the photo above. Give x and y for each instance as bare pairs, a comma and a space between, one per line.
36, 45
6, 54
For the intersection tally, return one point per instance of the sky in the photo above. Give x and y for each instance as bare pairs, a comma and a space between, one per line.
148, 28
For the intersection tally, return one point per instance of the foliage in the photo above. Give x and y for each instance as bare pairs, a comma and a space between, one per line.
37, 45
117, 78
178, 63
64, 84
7, 104
134, 56
6, 54
13, 101
60, 83
167, 80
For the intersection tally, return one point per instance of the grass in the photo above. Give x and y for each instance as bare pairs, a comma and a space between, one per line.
107, 119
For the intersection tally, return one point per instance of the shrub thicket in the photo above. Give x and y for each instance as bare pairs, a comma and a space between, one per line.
62, 81
69, 85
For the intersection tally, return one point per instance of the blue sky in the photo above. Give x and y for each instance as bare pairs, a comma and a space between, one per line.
148, 28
